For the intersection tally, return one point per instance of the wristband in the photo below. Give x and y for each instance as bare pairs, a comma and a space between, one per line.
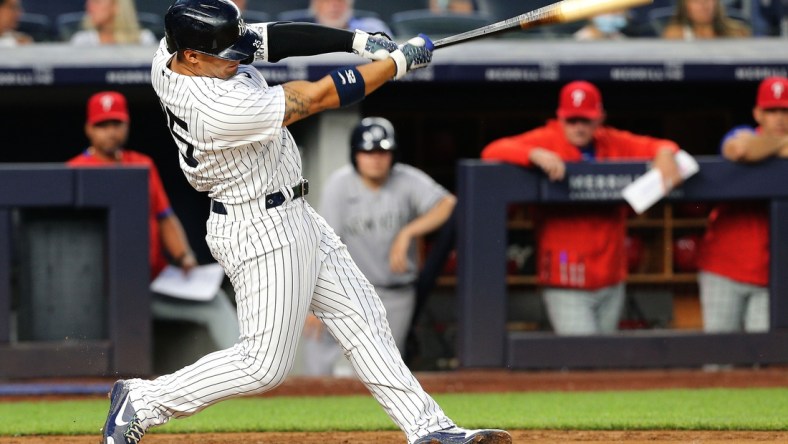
349, 84
401, 62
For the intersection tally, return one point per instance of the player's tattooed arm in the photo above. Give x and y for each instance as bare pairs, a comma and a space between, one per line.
304, 98
296, 105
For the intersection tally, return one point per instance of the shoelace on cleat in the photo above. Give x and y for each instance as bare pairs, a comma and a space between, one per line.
135, 432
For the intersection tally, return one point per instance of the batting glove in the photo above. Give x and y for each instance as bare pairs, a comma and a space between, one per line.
415, 54
375, 46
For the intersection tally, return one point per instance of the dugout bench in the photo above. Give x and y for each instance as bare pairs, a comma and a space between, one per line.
118, 341
485, 190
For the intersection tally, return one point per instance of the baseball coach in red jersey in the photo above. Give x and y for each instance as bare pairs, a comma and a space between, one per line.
581, 260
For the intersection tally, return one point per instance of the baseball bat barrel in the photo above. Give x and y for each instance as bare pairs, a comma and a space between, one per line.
564, 11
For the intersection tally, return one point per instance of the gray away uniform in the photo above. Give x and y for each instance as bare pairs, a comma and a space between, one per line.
367, 221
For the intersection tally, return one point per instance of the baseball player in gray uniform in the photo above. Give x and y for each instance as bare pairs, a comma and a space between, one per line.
372, 203
282, 258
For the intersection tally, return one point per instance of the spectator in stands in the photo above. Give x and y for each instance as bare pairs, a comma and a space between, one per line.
608, 26
107, 129
456, 6
10, 11
734, 255
703, 19
339, 14
110, 22
581, 259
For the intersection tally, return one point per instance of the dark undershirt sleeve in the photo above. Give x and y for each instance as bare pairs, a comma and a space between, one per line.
289, 39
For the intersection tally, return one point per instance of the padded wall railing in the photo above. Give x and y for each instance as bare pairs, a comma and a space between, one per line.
122, 195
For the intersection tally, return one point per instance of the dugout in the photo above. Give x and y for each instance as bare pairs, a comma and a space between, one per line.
472, 94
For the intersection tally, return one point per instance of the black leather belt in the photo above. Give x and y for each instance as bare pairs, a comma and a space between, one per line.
272, 200
396, 286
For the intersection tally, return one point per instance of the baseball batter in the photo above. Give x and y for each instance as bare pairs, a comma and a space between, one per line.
282, 257
377, 207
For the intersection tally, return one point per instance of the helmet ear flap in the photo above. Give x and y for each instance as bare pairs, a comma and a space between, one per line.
171, 47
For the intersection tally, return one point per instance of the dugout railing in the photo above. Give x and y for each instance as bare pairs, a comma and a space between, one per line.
484, 192
120, 197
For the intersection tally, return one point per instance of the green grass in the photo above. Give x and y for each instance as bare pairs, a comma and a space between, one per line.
707, 409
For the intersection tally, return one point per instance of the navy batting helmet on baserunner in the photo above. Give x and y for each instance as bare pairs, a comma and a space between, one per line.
372, 133
213, 27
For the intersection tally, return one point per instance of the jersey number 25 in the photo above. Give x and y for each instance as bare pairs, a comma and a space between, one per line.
173, 120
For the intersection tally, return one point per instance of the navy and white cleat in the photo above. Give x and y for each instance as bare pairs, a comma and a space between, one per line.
122, 425
457, 435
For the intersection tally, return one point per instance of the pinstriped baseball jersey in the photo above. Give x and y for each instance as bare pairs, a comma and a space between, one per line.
283, 261
229, 132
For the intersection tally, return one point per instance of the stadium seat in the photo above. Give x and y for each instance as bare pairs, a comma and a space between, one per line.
499, 10
69, 23
158, 7
274, 7
304, 15
295, 15
386, 8
37, 26
435, 25
153, 22
52, 8
256, 16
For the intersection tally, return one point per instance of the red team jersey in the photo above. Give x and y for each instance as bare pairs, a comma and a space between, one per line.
579, 246
736, 243
159, 203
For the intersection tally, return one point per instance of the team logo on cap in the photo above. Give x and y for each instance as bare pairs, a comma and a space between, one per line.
241, 27
106, 102
777, 90
578, 96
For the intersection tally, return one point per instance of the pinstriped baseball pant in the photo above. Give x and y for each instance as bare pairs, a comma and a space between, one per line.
584, 312
730, 306
282, 264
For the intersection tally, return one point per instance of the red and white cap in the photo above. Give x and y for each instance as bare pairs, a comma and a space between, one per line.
580, 99
107, 105
773, 93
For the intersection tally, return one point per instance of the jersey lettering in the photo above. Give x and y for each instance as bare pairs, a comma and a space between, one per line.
173, 120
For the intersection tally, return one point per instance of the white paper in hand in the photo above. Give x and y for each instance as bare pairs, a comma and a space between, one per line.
687, 164
200, 284
645, 191
649, 188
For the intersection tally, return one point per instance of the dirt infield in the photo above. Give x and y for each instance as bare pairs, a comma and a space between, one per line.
519, 436
493, 381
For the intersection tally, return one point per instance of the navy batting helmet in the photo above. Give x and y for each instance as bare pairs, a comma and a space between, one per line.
212, 27
372, 133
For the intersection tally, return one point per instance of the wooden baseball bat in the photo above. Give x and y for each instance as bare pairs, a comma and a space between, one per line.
560, 12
